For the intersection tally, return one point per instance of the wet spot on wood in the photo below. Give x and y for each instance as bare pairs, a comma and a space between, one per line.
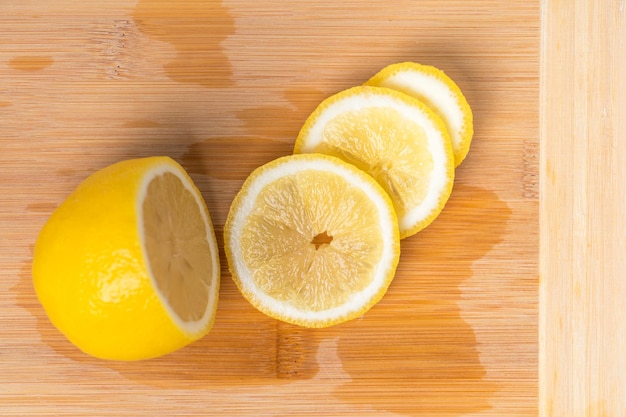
416, 339
31, 63
196, 29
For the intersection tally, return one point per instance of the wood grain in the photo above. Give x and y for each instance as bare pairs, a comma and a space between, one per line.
583, 215
223, 87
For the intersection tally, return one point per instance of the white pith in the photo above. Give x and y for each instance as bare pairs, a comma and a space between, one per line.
437, 93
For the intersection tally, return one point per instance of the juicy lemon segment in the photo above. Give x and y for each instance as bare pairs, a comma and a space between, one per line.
435, 88
343, 137
396, 139
127, 266
181, 254
311, 240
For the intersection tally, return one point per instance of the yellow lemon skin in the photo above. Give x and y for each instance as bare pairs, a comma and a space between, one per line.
90, 274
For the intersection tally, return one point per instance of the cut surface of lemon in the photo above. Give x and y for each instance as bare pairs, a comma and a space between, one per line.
311, 240
127, 267
393, 137
435, 88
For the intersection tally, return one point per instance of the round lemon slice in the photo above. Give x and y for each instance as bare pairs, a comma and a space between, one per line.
311, 240
395, 138
127, 267
435, 88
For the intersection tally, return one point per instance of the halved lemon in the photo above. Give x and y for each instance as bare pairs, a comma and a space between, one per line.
127, 267
395, 138
311, 240
435, 88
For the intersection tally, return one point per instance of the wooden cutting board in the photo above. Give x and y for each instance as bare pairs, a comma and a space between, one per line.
467, 327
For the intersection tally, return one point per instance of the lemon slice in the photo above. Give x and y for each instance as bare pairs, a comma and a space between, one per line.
127, 267
311, 240
432, 86
395, 138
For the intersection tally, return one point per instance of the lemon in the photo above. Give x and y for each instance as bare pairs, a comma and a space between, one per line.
395, 138
311, 240
435, 88
127, 266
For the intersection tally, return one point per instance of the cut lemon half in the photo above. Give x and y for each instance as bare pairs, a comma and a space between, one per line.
311, 240
395, 138
127, 267
435, 88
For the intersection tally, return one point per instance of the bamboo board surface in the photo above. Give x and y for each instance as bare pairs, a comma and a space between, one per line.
583, 215
223, 87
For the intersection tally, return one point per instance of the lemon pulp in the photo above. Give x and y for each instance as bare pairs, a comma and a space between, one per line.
312, 240
396, 139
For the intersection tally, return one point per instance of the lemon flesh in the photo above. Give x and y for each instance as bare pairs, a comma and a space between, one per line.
437, 90
395, 138
127, 266
177, 247
312, 240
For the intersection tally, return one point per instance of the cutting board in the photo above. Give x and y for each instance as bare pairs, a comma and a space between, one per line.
467, 326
